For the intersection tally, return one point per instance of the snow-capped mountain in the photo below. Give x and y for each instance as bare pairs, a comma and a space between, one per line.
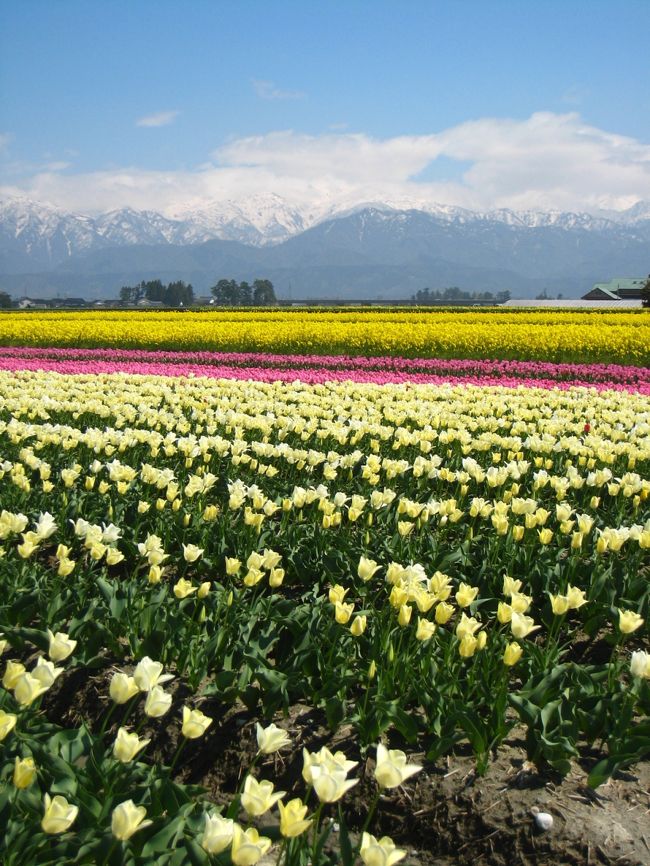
378, 246
256, 220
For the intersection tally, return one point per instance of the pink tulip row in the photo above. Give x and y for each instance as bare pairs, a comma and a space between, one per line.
161, 364
340, 366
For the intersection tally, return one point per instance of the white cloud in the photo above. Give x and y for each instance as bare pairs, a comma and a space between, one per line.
268, 90
161, 118
547, 161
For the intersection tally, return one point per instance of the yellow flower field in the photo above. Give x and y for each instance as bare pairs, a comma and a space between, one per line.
582, 336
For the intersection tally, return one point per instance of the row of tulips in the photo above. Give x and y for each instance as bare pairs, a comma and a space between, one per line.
291, 368
605, 373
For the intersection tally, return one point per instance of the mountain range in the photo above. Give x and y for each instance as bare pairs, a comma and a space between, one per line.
360, 250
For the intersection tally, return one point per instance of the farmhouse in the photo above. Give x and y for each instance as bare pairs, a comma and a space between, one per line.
618, 289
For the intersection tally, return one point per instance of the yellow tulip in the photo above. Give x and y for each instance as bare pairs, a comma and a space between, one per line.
217, 834
379, 852
292, 818
512, 654
392, 767
258, 797
127, 745
7, 724
629, 621
248, 846
24, 772
127, 819
59, 815
195, 723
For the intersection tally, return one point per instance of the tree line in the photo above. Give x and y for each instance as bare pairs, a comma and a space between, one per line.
178, 294
454, 295
230, 293
226, 293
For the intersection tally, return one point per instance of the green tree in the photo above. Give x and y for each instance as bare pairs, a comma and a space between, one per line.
245, 294
179, 294
5, 301
226, 293
264, 293
154, 290
645, 293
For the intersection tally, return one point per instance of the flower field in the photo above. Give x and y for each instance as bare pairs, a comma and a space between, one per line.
559, 336
421, 551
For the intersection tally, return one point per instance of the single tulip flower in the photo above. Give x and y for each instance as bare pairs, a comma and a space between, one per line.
28, 688
366, 568
258, 797
342, 612
13, 671
379, 852
7, 724
330, 784
575, 597
292, 818
24, 772
629, 621
217, 834
59, 815
127, 819
157, 703
60, 646
122, 688
183, 588
148, 674
425, 630
444, 612
127, 745
191, 552
392, 768
559, 604
248, 846
640, 665
271, 739
232, 565
195, 723
466, 595
512, 654
45, 672
521, 625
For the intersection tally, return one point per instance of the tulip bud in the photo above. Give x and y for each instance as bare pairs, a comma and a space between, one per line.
512, 654
358, 625
292, 819
24, 772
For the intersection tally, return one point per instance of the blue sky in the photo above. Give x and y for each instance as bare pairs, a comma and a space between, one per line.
162, 103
